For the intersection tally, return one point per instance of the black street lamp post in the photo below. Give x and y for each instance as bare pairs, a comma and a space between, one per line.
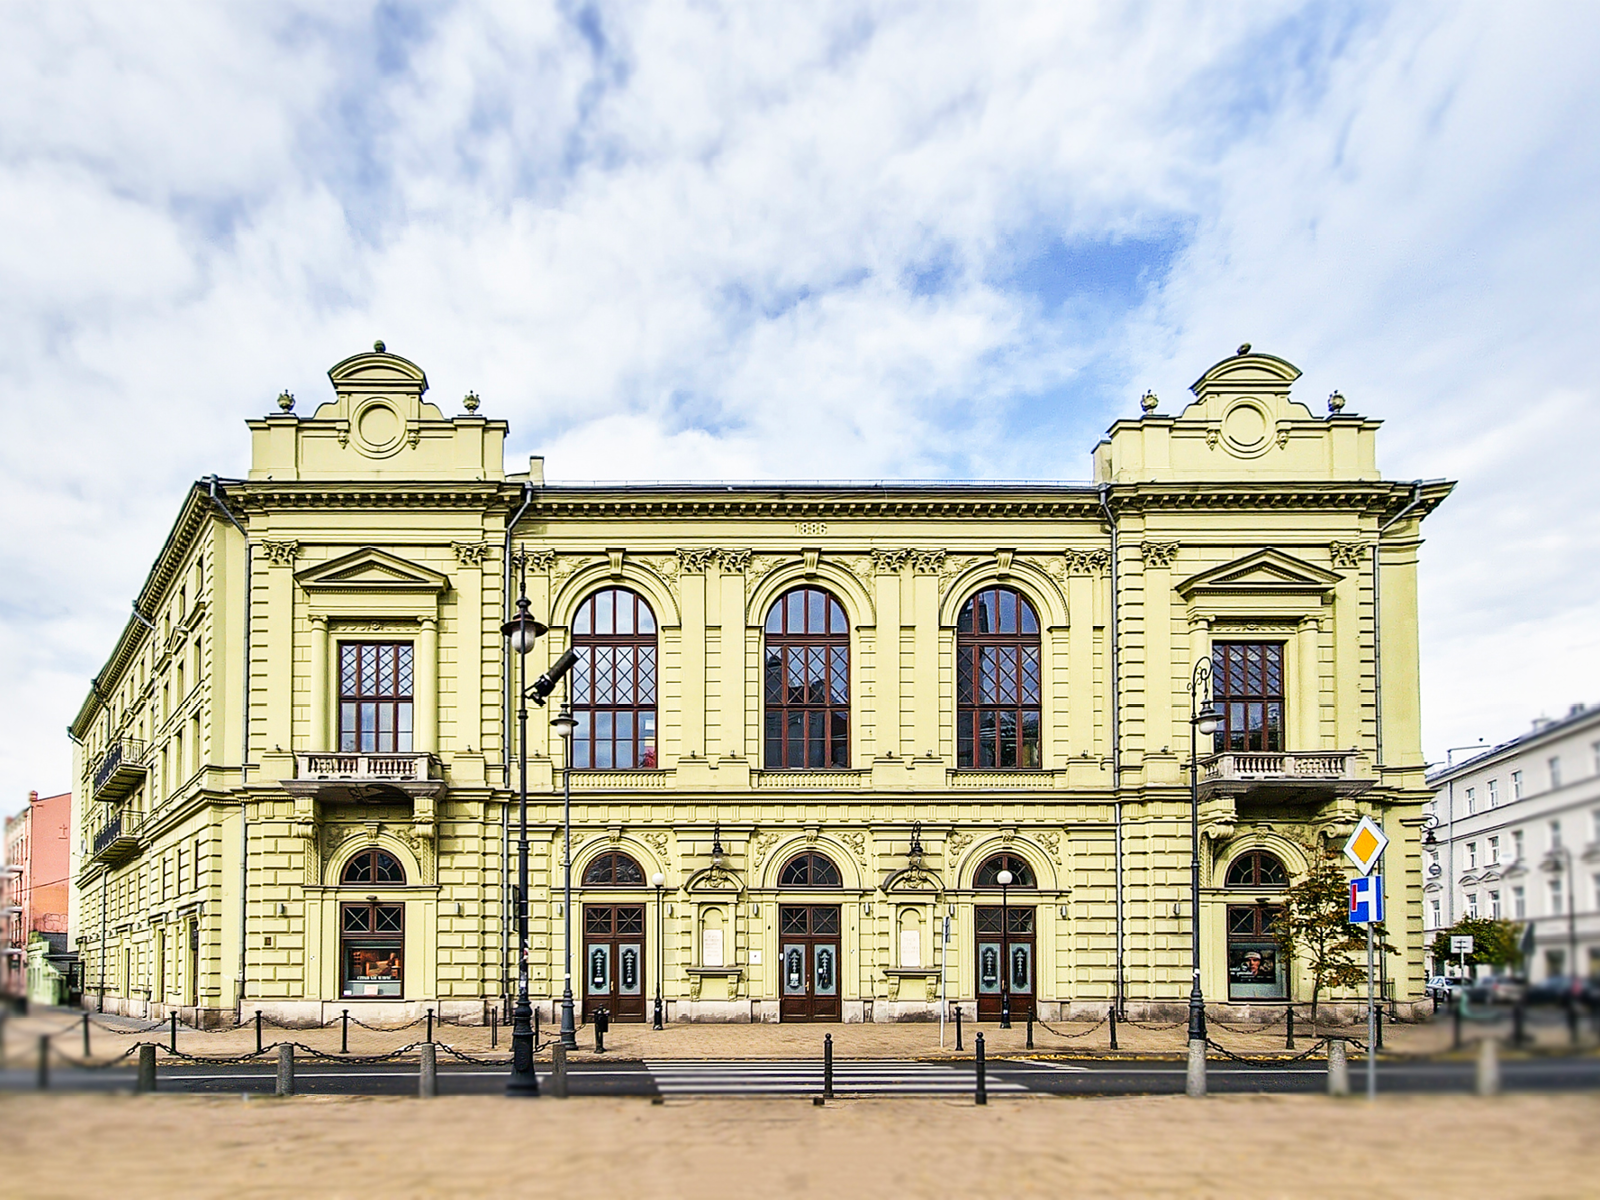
659, 881
563, 723
522, 630
1004, 879
1202, 721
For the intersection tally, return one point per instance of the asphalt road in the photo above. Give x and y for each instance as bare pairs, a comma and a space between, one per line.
851, 1077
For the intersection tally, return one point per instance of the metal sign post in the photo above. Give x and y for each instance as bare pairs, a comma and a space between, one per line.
944, 999
1365, 848
1461, 944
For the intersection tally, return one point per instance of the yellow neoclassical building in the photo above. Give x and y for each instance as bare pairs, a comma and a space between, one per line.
880, 745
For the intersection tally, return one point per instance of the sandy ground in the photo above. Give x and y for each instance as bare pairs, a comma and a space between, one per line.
1250, 1146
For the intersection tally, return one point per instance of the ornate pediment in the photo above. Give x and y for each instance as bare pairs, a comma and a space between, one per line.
1268, 570
912, 879
714, 879
371, 569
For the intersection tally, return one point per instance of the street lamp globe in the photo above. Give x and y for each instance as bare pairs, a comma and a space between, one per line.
1004, 878
1208, 720
658, 880
522, 630
564, 723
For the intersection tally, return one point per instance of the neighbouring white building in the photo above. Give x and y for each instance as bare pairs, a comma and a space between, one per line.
1516, 834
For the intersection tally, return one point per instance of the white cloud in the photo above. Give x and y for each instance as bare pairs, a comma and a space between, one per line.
669, 239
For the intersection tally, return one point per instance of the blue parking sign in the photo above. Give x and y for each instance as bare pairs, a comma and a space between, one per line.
1366, 900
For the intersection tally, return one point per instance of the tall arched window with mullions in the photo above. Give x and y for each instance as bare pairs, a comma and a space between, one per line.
614, 682
807, 681
997, 681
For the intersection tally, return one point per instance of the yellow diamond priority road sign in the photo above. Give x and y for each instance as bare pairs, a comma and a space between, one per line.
1366, 845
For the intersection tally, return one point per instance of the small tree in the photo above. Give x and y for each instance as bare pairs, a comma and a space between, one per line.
1315, 928
1495, 942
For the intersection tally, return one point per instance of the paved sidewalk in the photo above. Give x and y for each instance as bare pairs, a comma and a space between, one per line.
111, 1036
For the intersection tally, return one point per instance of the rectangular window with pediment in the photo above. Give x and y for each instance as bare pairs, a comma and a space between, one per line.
1249, 691
375, 697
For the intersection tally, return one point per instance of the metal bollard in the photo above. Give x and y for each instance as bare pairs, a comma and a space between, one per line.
958, 1027
430, 1025
428, 1072
1377, 1017
172, 1036
1288, 1037
86, 1035
494, 1029
827, 1067
44, 1063
558, 1070
1489, 1067
1338, 1068
285, 1069
147, 1069
258, 1031
1195, 1081
602, 1022
344, 1032
982, 1095
1030, 1031
1111, 1015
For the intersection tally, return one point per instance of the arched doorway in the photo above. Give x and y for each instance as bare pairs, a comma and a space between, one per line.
808, 942
1005, 937
613, 941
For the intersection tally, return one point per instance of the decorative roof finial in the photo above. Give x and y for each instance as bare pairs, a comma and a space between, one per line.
1148, 401
470, 402
1335, 403
286, 399
378, 347
1244, 348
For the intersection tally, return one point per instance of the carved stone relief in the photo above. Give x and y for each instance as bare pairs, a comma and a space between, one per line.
472, 554
1349, 555
281, 554
1159, 554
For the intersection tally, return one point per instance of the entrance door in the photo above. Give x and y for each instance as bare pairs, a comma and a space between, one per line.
1005, 961
613, 960
808, 945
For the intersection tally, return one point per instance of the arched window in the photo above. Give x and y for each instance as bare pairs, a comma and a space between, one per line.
989, 874
614, 682
613, 870
809, 871
373, 866
1257, 869
807, 681
997, 681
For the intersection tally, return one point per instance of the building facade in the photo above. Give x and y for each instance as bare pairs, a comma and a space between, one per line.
1514, 833
37, 870
832, 719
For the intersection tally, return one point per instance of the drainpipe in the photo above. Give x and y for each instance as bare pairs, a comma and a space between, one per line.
1116, 743
505, 746
1377, 618
244, 755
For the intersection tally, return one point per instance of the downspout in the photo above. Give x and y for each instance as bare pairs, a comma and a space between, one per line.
1116, 744
244, 756
505, 746
1377, 620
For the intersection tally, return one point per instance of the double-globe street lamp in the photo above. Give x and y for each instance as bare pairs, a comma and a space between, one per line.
564, 723
659, 882
521, 632
1203, 720
1004, 880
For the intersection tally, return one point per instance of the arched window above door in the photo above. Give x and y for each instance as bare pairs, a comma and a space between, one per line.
373, 866
809, 870
613, 870
998, 672
1257, 869
989, 873
806, 682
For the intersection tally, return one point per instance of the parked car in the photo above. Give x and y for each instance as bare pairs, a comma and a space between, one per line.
1505, 989
1443, 989
1557, 988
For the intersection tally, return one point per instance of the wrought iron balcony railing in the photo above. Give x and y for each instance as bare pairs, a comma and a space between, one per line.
121, 769
117, 840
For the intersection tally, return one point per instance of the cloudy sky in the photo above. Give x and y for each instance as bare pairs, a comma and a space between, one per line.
670, 240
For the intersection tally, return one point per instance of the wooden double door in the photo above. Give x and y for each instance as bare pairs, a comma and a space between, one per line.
808, 953
613, 961
1005, 960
